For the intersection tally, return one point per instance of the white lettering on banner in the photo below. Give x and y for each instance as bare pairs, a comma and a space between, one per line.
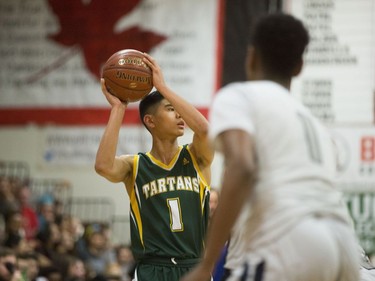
337, 81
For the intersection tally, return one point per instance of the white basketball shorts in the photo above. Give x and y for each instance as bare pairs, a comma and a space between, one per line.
317, 249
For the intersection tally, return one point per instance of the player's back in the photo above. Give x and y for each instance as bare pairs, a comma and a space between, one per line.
292, 146
295, 157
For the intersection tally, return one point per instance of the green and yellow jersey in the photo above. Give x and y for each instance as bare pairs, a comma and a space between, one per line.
169, 207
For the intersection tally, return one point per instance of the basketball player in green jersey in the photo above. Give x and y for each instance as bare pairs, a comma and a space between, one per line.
168, 186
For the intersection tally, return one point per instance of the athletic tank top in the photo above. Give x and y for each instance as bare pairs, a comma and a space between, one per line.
169, 207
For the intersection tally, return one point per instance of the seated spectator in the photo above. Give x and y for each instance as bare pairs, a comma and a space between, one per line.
58, 209
45, 211
76, 270
29, 266
8, 200
125, 259
107, 233
24, 247
51, 273
49, 239
29, 215
8, 265
76, 228
65, 251
96, 254
113, 272
14, 231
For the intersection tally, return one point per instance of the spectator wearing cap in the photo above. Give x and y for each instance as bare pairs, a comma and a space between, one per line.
45, 211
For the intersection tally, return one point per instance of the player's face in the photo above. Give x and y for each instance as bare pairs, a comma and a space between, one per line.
169, 120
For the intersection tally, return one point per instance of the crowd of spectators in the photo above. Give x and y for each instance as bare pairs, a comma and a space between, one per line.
39, 241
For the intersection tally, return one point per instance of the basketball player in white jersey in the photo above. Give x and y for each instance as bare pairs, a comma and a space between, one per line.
279, 167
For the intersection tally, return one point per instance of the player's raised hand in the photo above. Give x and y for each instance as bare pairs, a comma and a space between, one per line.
157, 74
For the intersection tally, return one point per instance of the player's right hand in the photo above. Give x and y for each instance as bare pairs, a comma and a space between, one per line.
198, 273
113, 100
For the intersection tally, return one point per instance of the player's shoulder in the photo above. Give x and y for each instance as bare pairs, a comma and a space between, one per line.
249, 88
230, 93
127, 158
232, 88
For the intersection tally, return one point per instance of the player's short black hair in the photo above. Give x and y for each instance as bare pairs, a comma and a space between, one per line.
281, 40
148, 104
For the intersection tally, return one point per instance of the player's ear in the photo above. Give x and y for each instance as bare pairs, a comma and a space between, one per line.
250, 62
298, 68
149, 121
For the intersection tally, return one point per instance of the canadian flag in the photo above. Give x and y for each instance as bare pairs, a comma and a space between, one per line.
52, 53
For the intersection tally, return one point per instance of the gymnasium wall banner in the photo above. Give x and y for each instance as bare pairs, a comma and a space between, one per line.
77, 146
361, 206
355, 154
73, 147
356, 177
338, 79
52, 52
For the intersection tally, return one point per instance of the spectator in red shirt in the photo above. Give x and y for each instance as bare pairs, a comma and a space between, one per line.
30, 218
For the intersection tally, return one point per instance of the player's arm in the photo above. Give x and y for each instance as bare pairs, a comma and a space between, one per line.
238, 181
194, 119
107, 164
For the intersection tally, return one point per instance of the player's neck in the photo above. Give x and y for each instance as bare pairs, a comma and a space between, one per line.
264, 74
164, 150
285, 82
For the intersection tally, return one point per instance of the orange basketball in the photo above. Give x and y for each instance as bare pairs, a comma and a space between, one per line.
127, 76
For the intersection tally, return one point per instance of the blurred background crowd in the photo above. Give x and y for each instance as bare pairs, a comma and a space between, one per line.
40, 241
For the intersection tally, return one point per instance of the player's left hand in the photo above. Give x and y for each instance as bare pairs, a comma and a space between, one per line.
199, 273
157, 74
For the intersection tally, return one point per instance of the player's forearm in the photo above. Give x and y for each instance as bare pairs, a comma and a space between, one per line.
235, 190
238, 182
106, 153
193, 118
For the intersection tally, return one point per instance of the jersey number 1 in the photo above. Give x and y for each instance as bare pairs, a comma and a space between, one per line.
175, 214
311, 138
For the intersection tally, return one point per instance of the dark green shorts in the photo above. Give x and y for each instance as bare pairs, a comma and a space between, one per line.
163, 269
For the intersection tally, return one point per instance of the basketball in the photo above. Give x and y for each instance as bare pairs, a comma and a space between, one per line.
127, 76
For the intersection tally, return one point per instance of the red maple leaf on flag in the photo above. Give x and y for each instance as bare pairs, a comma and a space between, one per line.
91, 26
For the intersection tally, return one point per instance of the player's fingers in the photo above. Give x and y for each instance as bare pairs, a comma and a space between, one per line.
102, 82
111, 98
149, 57
104, 87
151, 60
149, 63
